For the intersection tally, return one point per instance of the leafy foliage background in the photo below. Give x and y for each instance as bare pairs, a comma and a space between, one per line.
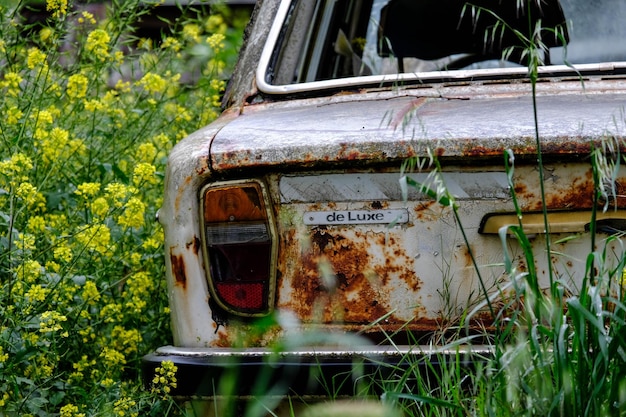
89, 113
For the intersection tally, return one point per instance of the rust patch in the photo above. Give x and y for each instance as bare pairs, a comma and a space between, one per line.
178, 269
194, 245
181, 189
361, 282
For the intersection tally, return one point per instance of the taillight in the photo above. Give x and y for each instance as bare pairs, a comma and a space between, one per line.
239, 246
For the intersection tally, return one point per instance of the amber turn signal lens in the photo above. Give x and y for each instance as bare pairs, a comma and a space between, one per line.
233, 204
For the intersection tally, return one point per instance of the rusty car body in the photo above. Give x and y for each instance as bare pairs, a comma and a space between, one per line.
289, 208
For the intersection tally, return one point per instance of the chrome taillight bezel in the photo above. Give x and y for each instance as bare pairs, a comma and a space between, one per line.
270, 223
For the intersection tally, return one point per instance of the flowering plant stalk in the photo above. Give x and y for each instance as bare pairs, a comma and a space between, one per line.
90, 112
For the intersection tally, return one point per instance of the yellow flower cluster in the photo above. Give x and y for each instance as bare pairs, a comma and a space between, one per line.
96, 238
126, 340
88, 189
35, 58
216, 41
138, 286
124, 407
3, 356
171, 43
191, 32
113, 357
153, 83
70, 410
86, 17
51, 322
134, 213
16, 169
57, 7
90, 293
11, 83
98, 44
144, 173
88, 124
165, 378
77, 86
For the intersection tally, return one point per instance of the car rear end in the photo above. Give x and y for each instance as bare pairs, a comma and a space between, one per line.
337, 224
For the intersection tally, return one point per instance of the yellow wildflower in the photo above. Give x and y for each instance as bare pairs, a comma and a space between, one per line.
118, 57
37, 293
111, 313
191, 32
216, 41
122, 86
57, 7
62, 252
36, 224
133, 215
96, 237
42, 117
77, 86
53, 146
146, 152
177, 112
88, 189
13, 115
155, 241
45, 34
124, 406
51, 321
16, 168
107, 382
70, 410
93, 105
90, 294
165, 378
29, 271
215, 24
171, 43
85, 16
99, 207
35, 58
126, 340
144, 43
117, 193
98, 44
53, 266
3, 356
27, 192
25, 242
11, 82
76, 146
4, 399
113, 357
153, 83
144, 173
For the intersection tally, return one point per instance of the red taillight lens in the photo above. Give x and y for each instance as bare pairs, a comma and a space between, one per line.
239, 247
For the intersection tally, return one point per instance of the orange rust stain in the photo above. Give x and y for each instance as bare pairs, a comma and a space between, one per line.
181, 189
578, 194
194, 244
361, 290
178, 269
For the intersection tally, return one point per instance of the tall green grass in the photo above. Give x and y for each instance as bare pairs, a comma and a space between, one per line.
560, 351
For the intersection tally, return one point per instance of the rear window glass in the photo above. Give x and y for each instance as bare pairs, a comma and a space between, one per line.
327, 40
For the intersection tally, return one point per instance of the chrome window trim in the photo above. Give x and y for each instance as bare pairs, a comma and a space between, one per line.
377, 80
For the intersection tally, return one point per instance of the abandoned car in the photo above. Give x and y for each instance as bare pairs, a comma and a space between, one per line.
356, 195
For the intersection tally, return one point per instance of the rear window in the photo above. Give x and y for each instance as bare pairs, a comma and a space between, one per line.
334, 43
